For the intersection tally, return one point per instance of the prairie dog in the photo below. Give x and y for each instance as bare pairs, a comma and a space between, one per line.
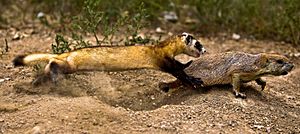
235, 68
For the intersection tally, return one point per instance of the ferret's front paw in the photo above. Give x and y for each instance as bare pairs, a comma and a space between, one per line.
240, 95
196, 82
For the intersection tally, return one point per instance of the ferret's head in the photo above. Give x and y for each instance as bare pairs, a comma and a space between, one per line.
193, 47
278, 64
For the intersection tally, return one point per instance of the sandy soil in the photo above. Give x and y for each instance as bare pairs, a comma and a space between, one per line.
131, 102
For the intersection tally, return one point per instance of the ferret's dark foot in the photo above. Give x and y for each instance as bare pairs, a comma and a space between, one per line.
40, 79
54, 71
195, 82
240, 95
164, 86
187, 64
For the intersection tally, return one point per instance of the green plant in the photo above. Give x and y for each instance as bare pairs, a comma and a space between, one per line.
273, 19
93, 20
61, 46
79, 41
135, 24
90, 19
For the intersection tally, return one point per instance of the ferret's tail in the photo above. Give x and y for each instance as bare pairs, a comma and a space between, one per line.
32, 59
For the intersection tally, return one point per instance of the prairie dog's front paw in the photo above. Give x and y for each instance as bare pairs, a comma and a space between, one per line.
240, 95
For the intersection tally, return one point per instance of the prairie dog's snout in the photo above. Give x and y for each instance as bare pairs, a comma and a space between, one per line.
287, 68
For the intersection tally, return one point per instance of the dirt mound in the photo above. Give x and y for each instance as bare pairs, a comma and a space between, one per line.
130, 101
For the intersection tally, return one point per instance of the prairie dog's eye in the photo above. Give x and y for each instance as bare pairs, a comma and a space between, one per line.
279, 61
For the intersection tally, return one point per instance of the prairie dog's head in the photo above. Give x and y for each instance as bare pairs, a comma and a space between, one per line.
278, 64
193, 47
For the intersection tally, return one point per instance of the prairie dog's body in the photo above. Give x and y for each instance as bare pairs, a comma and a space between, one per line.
158, 57
236, 68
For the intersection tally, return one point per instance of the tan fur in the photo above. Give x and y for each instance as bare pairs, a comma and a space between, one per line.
114, 58
236, 68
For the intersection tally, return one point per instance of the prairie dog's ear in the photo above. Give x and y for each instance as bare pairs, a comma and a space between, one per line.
262, 60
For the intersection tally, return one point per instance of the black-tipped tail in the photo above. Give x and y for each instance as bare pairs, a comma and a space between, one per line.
19, 60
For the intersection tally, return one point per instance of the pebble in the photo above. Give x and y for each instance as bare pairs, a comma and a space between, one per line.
258, 126
170, 16
297, 54
4, 79
236, 36
36, 130
159, 30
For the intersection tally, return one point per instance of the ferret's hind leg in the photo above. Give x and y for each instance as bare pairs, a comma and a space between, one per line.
41, 78
52, 71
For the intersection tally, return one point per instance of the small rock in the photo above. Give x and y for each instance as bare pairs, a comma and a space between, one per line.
291, 97
258, 126
232, 123
35, 130
4, 79
268, 129
297, 54
159, 30
95, 122
236, 36
170, 16
40, 15
170, 34
9, 67
190, 21
1, 120
17, 36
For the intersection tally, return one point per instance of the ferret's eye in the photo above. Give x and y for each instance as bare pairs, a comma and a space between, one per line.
198, 45
279, 61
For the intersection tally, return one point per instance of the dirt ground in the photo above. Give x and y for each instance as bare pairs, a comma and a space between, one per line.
131, 102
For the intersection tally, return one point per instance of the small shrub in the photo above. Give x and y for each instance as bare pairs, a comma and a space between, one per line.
61, 45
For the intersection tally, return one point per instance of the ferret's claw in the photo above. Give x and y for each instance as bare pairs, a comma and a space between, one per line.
196, 82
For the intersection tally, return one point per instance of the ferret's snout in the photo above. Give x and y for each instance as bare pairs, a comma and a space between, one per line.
203, 50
